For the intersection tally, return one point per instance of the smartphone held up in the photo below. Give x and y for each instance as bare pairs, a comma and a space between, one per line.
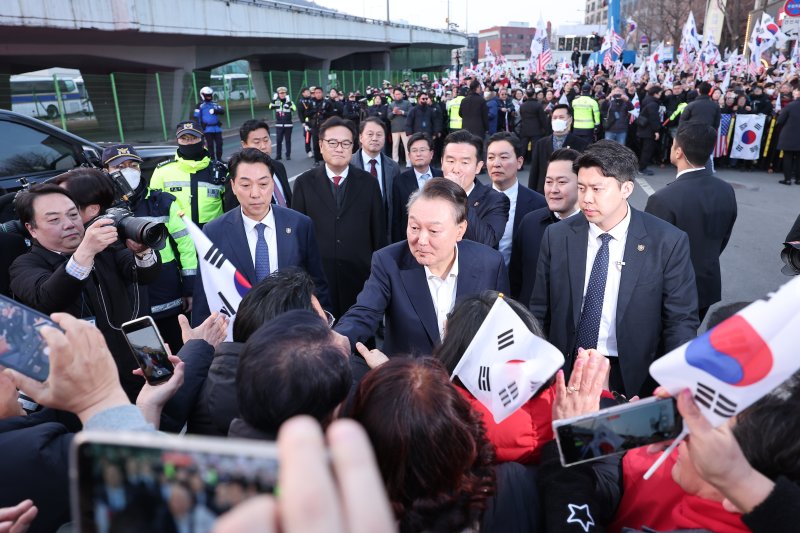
148, 349
22, 347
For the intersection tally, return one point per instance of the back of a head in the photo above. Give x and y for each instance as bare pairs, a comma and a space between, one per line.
283, 290
611, 158
430, 445
697, 141
466, 318
474, 85
88, 186
291, 366
704, 88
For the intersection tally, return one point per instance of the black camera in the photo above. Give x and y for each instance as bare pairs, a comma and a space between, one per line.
151, 234
791, 258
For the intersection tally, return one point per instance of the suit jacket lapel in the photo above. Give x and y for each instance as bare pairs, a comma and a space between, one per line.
416, 286
284, 235
467, 277
322, 188
637, 244
576, 262
239, 249
353, 189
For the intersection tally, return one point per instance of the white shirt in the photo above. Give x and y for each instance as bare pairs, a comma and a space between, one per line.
331, 174
269, 234
505, 241
559, 217
421, 182
443, 292
365, 158
607, 336
682, 172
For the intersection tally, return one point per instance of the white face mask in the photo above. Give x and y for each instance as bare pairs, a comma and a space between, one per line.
132, 176
559, 125
486, 94
770, 91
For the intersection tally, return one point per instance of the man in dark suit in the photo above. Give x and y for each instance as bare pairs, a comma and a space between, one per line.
370, 157
544, 147
700, 204
561, 194
474, 111
614, 278
488, 209
255, 134
346, 207
504, 157
415, 283
533, 121
259, 237
420, 148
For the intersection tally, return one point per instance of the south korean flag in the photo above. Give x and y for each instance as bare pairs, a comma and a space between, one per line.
506, 364
223, 284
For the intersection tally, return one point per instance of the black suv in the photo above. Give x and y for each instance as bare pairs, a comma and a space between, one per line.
38, 151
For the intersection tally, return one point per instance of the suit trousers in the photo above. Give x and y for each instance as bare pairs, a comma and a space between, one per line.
214, 145
791, 165
396, 137
281, 134
648, 149
527, 143
315, 146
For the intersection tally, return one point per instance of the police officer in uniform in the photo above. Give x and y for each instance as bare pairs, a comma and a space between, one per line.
586, 114
454, 111
320, 110
191, 176
171, 293
207, 113
284, 109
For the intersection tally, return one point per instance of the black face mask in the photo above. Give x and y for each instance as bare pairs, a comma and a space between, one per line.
193, 152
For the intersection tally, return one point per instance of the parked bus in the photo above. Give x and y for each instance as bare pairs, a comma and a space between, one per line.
36, 96
237, 86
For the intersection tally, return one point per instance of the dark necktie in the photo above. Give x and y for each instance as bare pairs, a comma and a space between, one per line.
262, 253
279, 197
372, 169
589, 326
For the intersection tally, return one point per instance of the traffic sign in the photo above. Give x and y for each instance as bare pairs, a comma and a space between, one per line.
792, 8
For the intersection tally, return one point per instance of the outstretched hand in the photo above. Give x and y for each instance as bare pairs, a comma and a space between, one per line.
582, 394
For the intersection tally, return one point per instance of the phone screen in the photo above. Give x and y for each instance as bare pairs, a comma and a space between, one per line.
22, 347
617, 429
165, 484
148, 349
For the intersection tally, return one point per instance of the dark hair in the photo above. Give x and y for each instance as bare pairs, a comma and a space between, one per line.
23, 203
562, 106
420, 136
612, 158
768, 432
466, 318
334, 122
282, 291
510, 138
444, 189
465, 137
474, 84
369, 120
430, 445
654, 90
564, 154
697, 140
724, 312
291, 366
704, 88
88, 186
250, 126
249, 155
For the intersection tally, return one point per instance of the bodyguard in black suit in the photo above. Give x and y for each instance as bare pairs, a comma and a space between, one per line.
561, 193
415, 283
504, 157
255, 134
236, 234
420, 147
346, 207
614, 278
544, 147
700, 204
488, 209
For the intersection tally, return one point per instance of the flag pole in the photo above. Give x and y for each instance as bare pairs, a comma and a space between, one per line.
665, 453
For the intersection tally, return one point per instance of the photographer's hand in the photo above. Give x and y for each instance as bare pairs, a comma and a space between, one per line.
99, 236
136, 247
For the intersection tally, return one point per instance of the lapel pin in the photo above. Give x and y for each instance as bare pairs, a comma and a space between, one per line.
289, 230
640, 247
476, 204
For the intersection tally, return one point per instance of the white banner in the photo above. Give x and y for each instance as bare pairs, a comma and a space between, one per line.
747, 137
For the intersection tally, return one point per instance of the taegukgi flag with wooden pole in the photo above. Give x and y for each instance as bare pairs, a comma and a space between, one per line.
506, 364
744, 358
223, 284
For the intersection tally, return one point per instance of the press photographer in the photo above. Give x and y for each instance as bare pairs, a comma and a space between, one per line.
791, 251
85, 271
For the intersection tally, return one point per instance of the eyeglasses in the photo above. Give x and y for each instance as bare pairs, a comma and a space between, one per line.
330, 317
333, 144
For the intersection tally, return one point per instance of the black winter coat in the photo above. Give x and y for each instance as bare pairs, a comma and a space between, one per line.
474, 114
649, 110
789, 120
533, 121
217, 404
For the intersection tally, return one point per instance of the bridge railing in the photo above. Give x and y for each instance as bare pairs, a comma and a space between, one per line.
142, 108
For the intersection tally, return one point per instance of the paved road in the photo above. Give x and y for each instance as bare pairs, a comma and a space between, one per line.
750, 264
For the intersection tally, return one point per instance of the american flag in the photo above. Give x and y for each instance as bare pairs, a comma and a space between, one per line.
545, 56
617, 42
607, 61
721, 148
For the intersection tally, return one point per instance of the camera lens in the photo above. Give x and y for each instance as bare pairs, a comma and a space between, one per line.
151, 234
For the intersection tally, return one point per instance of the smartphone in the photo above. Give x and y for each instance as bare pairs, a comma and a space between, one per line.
148, 349
22, 347
155, 482
617, 429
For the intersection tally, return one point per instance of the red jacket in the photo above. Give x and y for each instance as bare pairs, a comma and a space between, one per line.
519, 437
661, 504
